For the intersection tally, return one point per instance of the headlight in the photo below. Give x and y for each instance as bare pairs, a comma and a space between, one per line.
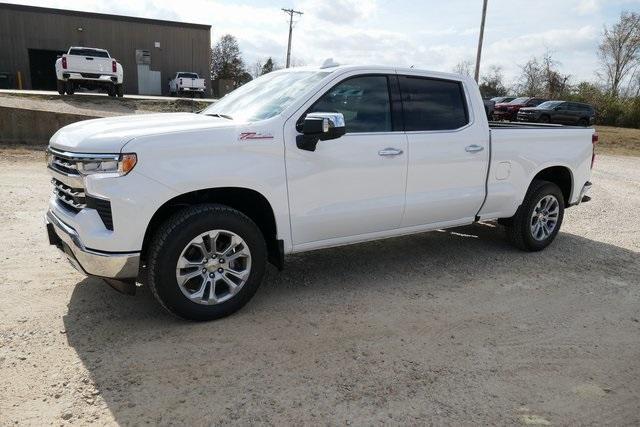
119, 166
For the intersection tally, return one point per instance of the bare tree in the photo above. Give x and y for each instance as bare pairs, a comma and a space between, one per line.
464, 68
556, 84
492, 82
619, 50
541, 77
530, 82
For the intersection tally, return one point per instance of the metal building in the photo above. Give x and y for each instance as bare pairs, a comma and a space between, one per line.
150, 50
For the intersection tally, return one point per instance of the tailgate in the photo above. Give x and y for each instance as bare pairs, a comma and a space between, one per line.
193, 83
89, 64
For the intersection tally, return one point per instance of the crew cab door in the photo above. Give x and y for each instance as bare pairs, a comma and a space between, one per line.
448, 151
355, 184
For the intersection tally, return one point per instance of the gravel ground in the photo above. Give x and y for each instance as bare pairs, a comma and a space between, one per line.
451, 327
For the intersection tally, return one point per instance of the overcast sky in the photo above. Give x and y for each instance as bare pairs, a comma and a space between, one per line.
428, 34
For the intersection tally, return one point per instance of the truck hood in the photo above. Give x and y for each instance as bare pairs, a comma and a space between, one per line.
109, 135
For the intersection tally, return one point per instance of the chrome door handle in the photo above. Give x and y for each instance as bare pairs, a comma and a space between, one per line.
473, 148
390, 152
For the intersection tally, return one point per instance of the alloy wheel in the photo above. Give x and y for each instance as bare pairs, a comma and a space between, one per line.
213, 267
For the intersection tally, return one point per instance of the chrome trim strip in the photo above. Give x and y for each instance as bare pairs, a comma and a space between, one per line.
111, 265
83, 156
74, 205
71, 180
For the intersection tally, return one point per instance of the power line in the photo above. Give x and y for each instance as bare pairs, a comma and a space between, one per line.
290, 12
479, 54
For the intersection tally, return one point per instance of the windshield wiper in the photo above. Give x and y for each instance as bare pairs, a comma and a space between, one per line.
224, 116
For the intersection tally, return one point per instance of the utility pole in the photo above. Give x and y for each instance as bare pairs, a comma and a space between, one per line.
290, 12
484, 15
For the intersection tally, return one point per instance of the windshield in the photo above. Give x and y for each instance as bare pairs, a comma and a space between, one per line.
549, 105
266, 96
89, 52
519, 101
188, 75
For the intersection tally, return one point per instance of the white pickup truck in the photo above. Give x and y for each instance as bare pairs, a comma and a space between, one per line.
187, 83
89, 68
195, 205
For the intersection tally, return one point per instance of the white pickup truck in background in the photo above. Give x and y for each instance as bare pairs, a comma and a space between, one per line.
184, 83
194, 205
91, 69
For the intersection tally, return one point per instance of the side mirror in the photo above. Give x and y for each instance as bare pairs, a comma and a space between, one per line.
320, 127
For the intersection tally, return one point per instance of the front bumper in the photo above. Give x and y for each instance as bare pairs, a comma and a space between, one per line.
527, 118
119, 265
503, 115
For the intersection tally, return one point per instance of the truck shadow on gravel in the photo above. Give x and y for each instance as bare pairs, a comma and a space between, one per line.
354, 327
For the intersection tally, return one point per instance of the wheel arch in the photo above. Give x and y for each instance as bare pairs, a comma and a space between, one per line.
559, 175
248, 201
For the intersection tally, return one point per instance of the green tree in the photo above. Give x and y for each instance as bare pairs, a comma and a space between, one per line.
268, 66
227, 63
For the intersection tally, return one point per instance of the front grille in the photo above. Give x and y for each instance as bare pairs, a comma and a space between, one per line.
73, 199
68, 185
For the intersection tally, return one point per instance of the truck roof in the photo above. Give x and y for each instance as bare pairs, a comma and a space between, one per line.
381, 68
86, 47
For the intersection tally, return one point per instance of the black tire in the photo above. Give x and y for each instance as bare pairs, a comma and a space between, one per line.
544, 119
61, 87
111, 91
70, 88
173, 94
519, 226
120, 91
583, 122
176, 233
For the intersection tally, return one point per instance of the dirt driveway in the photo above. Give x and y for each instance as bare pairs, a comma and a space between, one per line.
450, 327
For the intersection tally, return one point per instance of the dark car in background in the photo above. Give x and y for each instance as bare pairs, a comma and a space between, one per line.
489, 105
560, 112
509, 110
503, 99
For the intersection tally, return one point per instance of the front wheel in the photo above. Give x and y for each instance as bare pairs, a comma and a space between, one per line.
537, 221
206, 262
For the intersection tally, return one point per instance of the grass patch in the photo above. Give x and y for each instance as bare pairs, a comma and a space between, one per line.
618, 141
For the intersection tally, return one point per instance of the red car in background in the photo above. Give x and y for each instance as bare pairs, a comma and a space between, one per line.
509, 110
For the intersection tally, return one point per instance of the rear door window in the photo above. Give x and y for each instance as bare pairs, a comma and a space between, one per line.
432, 104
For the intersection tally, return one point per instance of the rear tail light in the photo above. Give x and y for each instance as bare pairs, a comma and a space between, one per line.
594, 141
64, 62
114, 67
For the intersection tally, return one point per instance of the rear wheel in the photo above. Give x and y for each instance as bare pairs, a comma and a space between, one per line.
70, 88
120, 90
111, 91
583, 122
206, 262
61, 87
537, 221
